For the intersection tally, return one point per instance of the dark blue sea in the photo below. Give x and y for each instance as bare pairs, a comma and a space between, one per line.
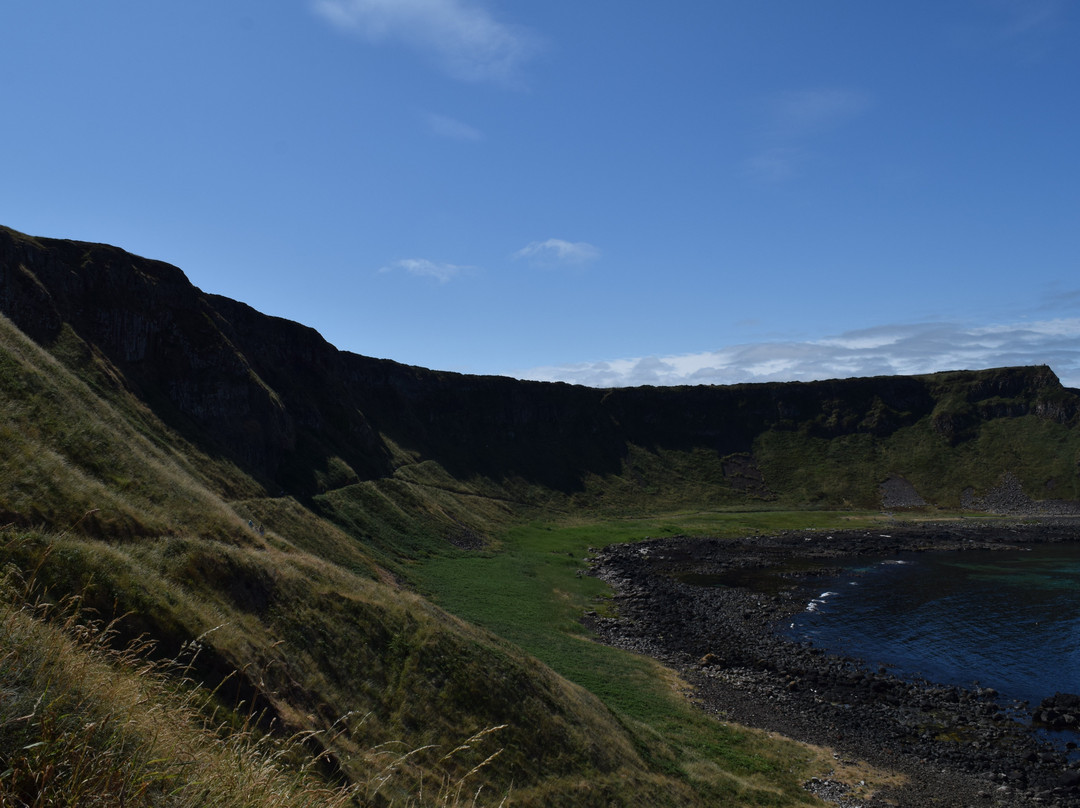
1005, 619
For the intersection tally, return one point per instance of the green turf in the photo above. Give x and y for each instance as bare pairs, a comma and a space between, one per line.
530, 589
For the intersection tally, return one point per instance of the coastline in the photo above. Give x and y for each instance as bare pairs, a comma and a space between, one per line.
955, 746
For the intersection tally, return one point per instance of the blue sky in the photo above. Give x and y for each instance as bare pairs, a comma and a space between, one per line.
608, 192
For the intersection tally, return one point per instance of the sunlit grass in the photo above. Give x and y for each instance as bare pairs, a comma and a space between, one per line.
86, 722
82, 723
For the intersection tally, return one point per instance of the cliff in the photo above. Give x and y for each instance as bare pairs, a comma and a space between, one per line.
305, 418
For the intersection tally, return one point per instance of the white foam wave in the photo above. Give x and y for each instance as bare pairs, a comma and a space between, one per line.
819, 601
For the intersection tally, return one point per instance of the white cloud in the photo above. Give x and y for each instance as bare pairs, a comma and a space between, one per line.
461, 35
426, 269
886, 350
557, 251
454, 129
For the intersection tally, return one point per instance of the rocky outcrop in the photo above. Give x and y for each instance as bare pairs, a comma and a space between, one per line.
1060, 711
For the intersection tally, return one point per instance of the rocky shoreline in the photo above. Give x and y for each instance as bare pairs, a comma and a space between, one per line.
955, 746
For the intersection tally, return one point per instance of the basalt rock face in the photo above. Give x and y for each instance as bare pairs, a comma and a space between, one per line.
283, 403
184, 352
279, 399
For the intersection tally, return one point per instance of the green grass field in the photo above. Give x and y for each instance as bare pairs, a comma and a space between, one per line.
529, 589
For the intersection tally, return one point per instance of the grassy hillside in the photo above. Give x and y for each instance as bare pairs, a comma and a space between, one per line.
304, 631
383, 561
296, 622
88, 724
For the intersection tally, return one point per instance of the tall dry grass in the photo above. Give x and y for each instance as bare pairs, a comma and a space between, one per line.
84, 723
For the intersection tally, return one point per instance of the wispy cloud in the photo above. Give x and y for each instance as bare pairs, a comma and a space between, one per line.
1019, 19
460, 35
424, 268
885, 350
1025, 29
1028, 16
557, 251
1059, 299
802, 113
452, 128
773, 164
794, 119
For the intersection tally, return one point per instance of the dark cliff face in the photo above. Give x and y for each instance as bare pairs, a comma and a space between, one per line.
282, 402
187, 354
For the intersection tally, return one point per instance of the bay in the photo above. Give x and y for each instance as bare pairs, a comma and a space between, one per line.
1004, 619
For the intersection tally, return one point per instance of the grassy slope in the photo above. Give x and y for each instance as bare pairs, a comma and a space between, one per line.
143, 521
68, 451
84, 723
847, 471
190, 564
310, 626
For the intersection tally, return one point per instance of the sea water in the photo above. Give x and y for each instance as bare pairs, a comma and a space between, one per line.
1004, 619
